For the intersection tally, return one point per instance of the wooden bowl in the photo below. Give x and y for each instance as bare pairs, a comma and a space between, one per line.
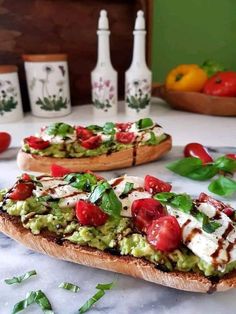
196, 102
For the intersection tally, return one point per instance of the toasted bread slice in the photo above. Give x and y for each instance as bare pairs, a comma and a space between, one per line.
121, 159
135, 267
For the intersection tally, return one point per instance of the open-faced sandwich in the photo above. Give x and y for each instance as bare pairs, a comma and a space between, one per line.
115, 145
130, 225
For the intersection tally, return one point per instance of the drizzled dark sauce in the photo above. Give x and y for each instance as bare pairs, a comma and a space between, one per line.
117, 181
192, 234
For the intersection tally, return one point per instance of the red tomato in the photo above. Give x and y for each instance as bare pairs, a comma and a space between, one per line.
59, 171
154, 185
125, 137
92, 143
83, 133
21, 191
165, 234
144, 211
5, 140
36, 142
199, 151
226, 209
123, 127
26, 177
221, 84
89, 214
231, 156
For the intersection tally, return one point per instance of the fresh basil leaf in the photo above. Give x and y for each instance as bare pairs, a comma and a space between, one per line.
144, 123
59, 128
153, 139
225, 164
37, 297
212, 67
208, 225
111, 204
192, 167
94, 127
109, 128
105, 286
88, 304
182, 202
83, 182
128, 187
19, 279
223, 186
98, 191
69, 286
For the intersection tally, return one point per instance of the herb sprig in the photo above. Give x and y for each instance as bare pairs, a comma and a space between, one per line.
21, 278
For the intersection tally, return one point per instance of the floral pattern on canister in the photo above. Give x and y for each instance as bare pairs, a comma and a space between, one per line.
8, 97
103, 94
48, 101
138, 94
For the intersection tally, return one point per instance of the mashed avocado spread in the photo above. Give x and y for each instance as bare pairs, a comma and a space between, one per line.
116, 234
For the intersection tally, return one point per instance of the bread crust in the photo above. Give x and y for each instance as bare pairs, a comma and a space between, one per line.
121, 159
128, 265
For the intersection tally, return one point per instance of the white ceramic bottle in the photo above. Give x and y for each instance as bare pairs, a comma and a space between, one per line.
104, 77
138, 78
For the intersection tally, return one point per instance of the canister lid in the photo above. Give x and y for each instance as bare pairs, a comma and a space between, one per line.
8, 68
44, 57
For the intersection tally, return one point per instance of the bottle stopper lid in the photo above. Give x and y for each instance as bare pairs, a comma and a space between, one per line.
103, 20
140, 21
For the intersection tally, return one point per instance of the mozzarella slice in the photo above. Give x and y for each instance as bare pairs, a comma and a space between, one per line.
70, 201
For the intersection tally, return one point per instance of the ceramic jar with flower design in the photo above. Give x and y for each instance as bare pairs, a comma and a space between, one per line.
10, 97
48, 84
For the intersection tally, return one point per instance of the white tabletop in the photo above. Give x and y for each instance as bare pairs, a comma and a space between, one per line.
129, 295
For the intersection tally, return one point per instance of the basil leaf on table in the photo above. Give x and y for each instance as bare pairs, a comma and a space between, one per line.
225, 164
222, 186
37, 297
21, 278
105, 286
144, 123
69, 286
182, 202
192, 167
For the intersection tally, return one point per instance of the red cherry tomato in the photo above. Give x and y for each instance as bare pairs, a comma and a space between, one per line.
89, 214
199, 151
221, 84
5, 140
83, 133
154, 185
21, 191
125, 137
36, 142
144, 211
92, 143
26, 177
165, 234
123, 127
231, 156
226, 209
59, 171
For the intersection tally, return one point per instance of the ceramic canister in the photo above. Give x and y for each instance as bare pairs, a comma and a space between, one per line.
10, 97
48, 84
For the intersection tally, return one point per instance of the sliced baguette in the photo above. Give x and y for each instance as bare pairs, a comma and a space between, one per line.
121, 159
135, 267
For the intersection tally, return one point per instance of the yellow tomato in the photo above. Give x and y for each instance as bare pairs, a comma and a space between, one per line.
186, 77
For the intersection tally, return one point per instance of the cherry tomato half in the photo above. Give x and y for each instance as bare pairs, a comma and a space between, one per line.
83, 133
154, 185
89, 214
59, 171
231, 156
92, 143
5, 140
144, 211
21, 191
164, 234
125, 137
36, 142
199, 151
26, 177
123, 127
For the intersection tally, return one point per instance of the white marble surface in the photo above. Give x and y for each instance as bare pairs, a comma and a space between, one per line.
129, 295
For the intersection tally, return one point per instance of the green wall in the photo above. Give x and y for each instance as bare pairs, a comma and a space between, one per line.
191, 31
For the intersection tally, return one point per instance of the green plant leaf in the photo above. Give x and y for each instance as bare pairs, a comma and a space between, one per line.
88, 304
21, 278
128, 187
109, 128
182, 202
225, 164
81, 181
69, 286
59, 128
223, 186
208, 225
145, 123
111, 204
